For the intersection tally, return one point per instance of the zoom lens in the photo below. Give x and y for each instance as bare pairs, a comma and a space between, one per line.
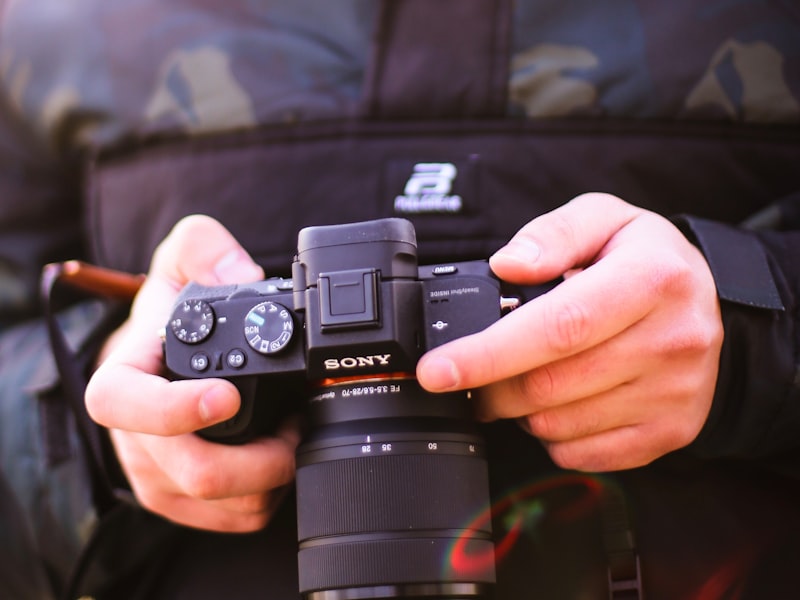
389, 486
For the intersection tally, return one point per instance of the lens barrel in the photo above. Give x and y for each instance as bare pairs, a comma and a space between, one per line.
389, 488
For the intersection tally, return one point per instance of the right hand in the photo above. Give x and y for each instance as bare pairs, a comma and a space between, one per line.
172, 471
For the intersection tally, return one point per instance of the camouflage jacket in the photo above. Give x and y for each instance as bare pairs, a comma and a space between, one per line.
77, 80
118, 118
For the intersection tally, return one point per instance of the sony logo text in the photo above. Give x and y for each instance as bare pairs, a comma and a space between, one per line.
352, 362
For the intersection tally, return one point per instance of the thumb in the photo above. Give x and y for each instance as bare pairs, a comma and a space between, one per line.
198, 249
201, 249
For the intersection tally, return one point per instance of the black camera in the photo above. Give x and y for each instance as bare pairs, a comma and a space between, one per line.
390, 478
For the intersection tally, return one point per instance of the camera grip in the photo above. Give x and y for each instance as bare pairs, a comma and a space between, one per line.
239, 429
265, 403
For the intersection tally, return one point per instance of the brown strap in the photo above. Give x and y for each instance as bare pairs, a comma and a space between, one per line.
448, 58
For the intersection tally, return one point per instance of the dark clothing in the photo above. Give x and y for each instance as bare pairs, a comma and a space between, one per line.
274, 117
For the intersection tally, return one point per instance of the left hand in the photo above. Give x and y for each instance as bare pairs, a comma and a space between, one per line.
618, 364
152, 419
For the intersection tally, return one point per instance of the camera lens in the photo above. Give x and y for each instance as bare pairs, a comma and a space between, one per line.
389, 486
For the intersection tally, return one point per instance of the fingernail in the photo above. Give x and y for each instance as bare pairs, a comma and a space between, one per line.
523, 251
216, 404
237, 267
440, 373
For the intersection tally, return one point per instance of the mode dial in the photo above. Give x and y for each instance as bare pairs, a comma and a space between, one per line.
268, 327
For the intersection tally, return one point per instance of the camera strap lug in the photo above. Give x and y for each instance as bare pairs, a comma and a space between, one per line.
624, 568
509, 303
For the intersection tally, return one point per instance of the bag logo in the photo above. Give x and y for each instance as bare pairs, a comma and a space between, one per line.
428, 190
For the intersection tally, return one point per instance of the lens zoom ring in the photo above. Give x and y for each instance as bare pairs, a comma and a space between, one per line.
391, 493
393, 562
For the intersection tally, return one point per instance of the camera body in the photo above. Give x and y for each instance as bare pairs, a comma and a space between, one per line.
390, 477
376, 315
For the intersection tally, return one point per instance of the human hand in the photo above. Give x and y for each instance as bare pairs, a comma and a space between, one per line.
617, 365
173, 472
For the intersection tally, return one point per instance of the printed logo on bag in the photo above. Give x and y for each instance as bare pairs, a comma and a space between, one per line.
429, 190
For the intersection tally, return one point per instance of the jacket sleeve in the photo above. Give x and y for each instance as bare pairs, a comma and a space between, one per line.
756, 408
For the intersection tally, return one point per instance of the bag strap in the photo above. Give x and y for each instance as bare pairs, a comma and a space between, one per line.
74, 365
447, 59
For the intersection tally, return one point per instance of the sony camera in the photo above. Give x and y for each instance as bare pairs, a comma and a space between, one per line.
390, 477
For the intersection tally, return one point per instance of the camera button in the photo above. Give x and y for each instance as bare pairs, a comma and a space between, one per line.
444, 270
200, 362
236, 359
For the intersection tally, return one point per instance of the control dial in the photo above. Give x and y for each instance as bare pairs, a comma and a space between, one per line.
268, 327
192, 321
